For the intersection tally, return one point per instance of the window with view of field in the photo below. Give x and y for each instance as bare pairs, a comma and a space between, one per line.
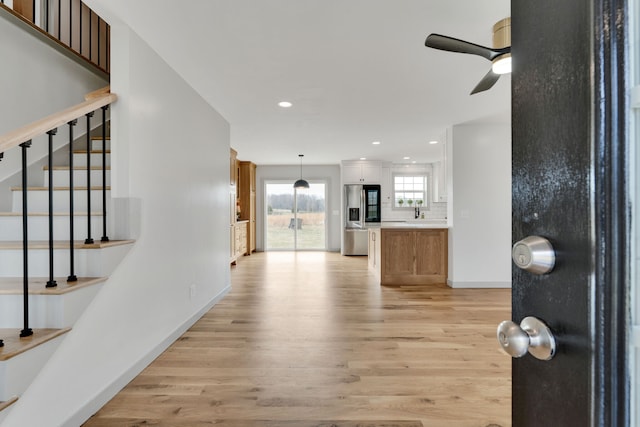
295, 219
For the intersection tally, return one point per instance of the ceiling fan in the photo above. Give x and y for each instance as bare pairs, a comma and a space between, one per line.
499, 55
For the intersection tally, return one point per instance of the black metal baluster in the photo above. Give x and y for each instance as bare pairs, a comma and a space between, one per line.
104, 174
81, 35
90, 35
89, 240
99, 58
33, 10
46, 11
70, 24
108, 48
51, 283
26, 331
59, 18
72, 277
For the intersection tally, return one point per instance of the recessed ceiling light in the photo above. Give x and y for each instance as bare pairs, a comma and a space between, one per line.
433, 142
363, 158
376, 142
285, 104
406, 158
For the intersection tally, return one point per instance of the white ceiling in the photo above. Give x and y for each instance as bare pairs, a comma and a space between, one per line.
356, 71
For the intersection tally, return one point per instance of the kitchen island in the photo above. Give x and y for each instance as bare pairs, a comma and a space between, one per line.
409, 253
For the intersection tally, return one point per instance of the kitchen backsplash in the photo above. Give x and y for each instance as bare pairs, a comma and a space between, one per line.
434, 211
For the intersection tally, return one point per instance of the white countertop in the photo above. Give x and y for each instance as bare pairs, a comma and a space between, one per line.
413, 224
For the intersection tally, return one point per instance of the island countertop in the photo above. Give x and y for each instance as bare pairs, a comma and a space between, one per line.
412, 224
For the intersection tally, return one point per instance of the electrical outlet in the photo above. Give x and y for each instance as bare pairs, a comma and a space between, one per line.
192, 291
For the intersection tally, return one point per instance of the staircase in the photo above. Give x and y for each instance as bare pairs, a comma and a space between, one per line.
52, 310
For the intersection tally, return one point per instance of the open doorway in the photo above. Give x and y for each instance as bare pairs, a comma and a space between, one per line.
295, 219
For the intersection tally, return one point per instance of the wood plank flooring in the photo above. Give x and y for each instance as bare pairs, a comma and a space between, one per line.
310, 340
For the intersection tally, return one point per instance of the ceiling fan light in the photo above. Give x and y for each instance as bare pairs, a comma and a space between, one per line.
502, 64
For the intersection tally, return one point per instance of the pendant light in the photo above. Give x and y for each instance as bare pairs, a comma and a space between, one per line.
301, 183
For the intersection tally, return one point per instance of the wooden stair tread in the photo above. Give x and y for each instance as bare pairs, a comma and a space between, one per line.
37, 285
14, 345
5, 405
47, 214
60, 188
99, 138
62, 244
75, 168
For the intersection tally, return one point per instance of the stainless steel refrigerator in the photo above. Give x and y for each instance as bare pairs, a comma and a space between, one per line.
361, 211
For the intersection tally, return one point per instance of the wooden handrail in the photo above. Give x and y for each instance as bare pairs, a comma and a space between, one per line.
42, 126
97, 93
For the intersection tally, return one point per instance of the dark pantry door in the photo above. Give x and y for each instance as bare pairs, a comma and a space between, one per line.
569, 124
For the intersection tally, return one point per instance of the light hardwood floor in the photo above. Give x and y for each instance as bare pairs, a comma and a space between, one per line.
310, 340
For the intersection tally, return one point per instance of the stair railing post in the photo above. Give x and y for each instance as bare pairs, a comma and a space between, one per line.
72, 277
89, 240
51, 283
26, 331
104, 174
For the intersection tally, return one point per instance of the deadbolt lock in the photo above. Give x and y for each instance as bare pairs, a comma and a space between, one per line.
534, 254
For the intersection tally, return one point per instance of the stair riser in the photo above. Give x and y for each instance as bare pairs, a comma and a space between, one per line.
47, 311
18, 372
88, 262
61, 178
96, 145
80, 159
11, 227
38, 201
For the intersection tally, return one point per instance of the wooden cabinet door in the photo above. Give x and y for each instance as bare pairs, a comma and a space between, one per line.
398, 252
233, 171
431, 243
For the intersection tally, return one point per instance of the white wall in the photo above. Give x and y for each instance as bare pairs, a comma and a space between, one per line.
431, 211
480, 206
36, 81
330, 174
170, 155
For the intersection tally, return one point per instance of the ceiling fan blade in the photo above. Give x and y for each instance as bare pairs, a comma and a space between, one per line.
487, 82
438, 41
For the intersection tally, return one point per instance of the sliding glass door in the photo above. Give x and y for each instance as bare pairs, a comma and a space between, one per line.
295, 219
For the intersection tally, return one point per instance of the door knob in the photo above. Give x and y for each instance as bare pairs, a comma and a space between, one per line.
532, 335
534, 254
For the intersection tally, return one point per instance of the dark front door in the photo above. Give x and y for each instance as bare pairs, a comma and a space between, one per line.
569, 176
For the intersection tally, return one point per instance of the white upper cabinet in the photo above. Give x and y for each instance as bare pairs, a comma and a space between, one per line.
361, 172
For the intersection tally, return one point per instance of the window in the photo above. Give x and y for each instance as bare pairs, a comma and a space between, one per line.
409, 191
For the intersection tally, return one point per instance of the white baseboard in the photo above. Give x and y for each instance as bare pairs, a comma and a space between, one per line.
478, 285
118, 384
